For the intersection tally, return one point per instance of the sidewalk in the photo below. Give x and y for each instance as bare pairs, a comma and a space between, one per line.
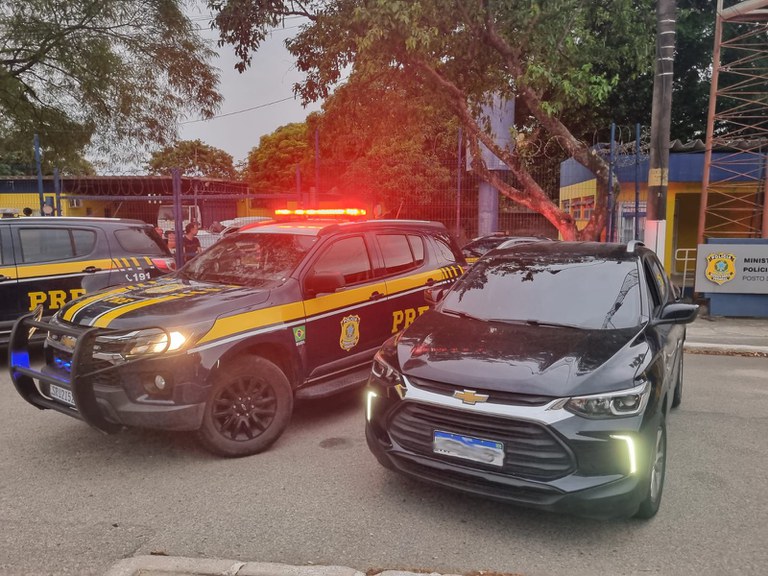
706, 335
721, 335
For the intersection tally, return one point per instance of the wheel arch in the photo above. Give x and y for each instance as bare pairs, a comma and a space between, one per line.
278, 354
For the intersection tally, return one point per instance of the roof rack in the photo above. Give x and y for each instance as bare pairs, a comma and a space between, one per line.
633, 244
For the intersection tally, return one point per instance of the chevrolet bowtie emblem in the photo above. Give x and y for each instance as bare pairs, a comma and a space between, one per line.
470, 396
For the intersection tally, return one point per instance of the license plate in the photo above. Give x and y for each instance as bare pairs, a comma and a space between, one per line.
61, 394
469, 448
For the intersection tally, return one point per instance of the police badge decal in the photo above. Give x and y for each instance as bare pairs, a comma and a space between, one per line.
721, 267
350, 332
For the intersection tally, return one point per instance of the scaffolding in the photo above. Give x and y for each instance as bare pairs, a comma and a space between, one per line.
734, 182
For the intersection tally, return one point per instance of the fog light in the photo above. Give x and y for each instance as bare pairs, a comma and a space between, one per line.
160, 382
369, 404
630, 451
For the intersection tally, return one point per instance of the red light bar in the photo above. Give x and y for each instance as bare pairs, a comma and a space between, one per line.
321, 212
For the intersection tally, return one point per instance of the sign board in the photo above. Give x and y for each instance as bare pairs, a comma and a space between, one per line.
732, 268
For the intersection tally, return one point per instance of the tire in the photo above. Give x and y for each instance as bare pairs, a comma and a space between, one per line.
249, 408
657, 468
677, 396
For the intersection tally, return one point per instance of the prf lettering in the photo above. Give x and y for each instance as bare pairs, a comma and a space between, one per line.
404, 318
53, 299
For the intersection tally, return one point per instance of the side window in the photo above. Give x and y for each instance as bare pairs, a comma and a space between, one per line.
417, 247
396, 250
653, 285
51, 244
45, 245
348, 257
84, 241
660, 279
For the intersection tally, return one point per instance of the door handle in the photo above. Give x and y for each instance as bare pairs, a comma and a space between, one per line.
91, 269
376, 296
4, 278
430, 281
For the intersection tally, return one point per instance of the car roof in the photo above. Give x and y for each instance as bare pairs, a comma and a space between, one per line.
69, 220
556, 249
327, 226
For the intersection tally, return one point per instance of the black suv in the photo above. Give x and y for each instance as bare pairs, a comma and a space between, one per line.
50, 261
225, 344
476, 247
543, 377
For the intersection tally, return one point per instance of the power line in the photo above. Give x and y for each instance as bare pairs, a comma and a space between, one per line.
237, 111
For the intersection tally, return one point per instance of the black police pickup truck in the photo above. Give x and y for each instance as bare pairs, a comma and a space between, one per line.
50, 261
224, 345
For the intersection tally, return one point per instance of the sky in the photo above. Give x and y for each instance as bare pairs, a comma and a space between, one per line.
256, 102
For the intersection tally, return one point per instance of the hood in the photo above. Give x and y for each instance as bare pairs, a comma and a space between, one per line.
168, 301
520, 358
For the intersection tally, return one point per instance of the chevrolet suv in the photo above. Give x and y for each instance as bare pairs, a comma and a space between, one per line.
224, 345
50, 261
543, 377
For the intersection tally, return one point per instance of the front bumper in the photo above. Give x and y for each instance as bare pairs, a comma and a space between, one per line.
554, 460
105, 396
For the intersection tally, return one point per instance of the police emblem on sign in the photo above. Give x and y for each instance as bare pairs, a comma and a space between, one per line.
721, 267
350, 332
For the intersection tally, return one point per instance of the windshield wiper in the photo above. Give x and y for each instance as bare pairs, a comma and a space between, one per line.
461, 314
531, 322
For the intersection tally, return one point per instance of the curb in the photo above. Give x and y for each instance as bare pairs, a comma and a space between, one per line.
180, 566
725, 350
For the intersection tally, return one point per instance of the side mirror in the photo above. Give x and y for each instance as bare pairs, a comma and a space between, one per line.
324, 283
677, 313
434, 295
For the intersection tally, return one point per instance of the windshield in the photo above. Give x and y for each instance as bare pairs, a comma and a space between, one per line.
585, 292
259, 260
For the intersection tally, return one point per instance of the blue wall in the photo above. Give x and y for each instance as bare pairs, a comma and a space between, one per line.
683, 167
738, 305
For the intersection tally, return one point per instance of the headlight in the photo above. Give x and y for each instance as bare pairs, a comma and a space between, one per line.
156, 343
384, 373
119, 348
612, 404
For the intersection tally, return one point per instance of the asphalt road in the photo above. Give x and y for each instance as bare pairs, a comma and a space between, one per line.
74, 501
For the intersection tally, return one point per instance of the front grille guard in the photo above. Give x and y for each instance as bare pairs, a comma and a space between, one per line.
23, 376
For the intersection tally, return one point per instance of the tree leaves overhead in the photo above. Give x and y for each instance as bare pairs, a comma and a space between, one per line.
112, 74
543, 53
573, 67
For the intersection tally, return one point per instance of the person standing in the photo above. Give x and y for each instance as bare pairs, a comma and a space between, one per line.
191, 243
170, 240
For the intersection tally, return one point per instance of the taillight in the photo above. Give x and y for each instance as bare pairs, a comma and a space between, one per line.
164, 265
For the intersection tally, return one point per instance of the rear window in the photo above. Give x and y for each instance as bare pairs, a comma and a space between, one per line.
140, 240
446, 251
586, 292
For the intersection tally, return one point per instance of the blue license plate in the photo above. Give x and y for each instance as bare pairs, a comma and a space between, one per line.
468, 448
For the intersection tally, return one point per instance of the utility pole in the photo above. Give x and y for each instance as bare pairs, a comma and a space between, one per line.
658, 175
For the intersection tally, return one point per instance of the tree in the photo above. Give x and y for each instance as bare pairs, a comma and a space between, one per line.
272, 164
193, 158
542, 53
385, 142
112, 75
